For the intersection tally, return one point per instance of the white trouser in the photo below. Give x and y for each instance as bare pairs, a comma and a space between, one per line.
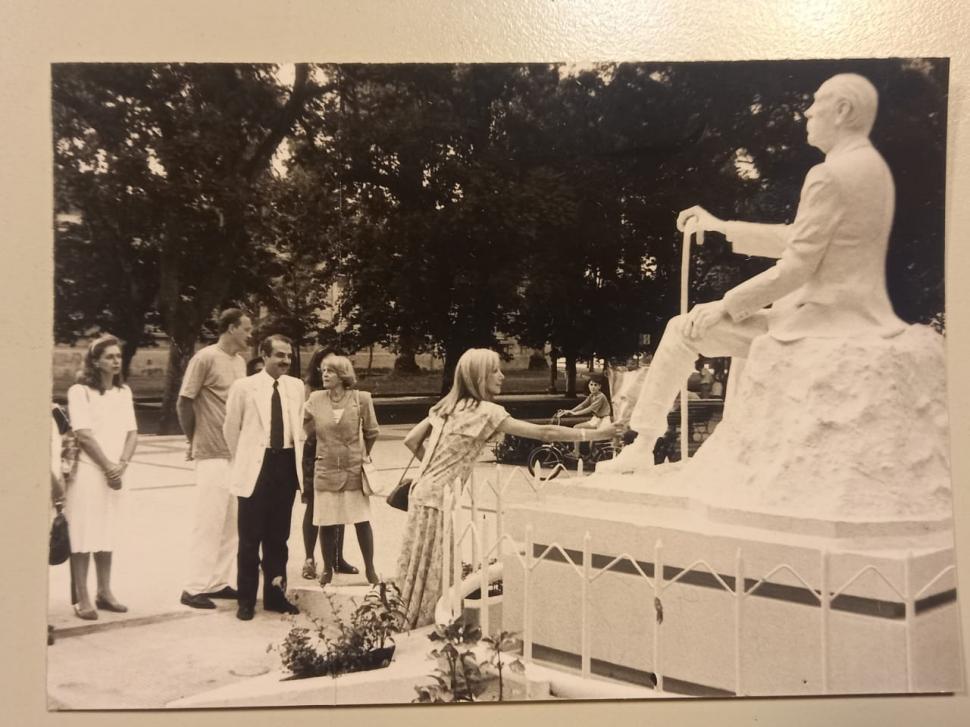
674, 363
215, 537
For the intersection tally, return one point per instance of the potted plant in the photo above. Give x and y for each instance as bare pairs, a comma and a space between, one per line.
378, 618
364, 642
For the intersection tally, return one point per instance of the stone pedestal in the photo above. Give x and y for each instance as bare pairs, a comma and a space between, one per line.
770, 641
806, 549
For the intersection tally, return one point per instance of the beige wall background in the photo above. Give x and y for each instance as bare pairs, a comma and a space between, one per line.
34, 33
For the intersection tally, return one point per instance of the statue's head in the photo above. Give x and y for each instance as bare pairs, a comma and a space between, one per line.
845, 105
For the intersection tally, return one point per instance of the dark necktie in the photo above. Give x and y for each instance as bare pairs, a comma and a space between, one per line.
276, 419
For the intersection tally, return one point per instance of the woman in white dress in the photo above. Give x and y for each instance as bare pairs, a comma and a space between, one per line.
103, 417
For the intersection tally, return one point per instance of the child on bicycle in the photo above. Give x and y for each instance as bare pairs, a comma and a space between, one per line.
597, 403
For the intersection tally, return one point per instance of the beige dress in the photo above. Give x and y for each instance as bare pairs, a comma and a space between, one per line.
463, 436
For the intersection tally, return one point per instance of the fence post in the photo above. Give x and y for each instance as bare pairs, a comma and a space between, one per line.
910, 613
483, 581
472, 481
447, 547
824, 603
456, 563
738, 620
499, 505
658, 576
584, 631
526, 596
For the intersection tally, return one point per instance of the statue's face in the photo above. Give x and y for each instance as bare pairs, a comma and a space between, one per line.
822, 118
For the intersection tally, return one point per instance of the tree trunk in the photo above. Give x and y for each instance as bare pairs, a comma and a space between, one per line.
370, 359
570, 374
405, 362
179, 353
553, 371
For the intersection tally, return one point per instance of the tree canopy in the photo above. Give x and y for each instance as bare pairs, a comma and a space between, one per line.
453, 205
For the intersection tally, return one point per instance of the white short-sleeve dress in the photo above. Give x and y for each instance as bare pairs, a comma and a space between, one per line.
92, 507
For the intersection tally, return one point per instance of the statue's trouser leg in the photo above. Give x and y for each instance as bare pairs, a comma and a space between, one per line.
674, 362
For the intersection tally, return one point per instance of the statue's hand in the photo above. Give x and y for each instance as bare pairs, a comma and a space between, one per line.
702, 220
702, 317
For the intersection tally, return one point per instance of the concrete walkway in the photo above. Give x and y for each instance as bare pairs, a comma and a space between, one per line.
160, 650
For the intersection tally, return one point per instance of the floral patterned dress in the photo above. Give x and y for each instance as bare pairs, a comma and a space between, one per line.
454, 445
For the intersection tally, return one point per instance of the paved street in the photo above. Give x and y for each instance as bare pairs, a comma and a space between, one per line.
161, 650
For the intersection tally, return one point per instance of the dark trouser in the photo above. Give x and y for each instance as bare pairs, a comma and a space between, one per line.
264, 519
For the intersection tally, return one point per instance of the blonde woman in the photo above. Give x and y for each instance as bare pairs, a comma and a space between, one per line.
448, 442
103, 416
336, 416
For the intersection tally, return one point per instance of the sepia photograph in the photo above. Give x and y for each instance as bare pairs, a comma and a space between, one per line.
422, 383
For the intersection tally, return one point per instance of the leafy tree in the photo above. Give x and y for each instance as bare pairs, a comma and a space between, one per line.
191, 143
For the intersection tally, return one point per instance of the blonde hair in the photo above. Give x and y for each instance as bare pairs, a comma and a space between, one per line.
471, 377
342, 366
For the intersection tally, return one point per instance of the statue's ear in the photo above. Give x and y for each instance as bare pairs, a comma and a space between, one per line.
843, 111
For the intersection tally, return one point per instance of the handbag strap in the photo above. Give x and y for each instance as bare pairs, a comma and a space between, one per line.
428, 456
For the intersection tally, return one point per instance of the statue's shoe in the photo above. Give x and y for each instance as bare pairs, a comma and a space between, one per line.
632, 458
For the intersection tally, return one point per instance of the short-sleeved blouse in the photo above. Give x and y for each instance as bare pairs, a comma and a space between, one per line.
109, 416
466, 432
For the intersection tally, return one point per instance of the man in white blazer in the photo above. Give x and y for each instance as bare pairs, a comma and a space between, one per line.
264, 431
830, 278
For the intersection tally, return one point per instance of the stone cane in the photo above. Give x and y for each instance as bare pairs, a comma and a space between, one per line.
690, 228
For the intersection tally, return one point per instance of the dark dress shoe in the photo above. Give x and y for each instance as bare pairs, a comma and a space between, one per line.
283, 607
113, 606
245, 612
346, 568
227, 592
197, 600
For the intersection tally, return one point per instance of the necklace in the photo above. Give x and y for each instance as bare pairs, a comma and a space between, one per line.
339, 399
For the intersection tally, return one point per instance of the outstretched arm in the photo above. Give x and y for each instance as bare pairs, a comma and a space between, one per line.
553, 432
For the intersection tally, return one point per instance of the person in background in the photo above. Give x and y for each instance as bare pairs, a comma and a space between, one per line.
448, 442
102, 413
254, 366
314, 382
342, 420
201, 411
596, 404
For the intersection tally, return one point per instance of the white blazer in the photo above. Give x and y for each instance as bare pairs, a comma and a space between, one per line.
247, 428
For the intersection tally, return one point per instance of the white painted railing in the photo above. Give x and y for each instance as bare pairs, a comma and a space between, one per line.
741, 591
468, 529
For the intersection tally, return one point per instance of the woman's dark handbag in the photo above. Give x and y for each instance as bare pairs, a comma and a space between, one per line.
60, 549
401, 494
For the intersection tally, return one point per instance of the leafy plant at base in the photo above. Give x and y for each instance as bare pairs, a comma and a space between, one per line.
460, 675
505, 642
346, 646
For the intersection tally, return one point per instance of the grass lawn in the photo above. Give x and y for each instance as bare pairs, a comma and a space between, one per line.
380, 382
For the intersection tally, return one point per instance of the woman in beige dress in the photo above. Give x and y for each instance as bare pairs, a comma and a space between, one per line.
342, 419
449, 442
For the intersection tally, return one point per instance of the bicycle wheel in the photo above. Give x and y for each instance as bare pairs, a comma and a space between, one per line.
548, 457
603, 452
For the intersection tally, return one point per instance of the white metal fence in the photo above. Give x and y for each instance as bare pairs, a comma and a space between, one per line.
473, 536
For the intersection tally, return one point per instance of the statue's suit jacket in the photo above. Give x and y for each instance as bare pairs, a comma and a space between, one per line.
247, 427
830, 278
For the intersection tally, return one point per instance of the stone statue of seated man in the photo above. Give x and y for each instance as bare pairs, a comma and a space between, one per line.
829, 279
